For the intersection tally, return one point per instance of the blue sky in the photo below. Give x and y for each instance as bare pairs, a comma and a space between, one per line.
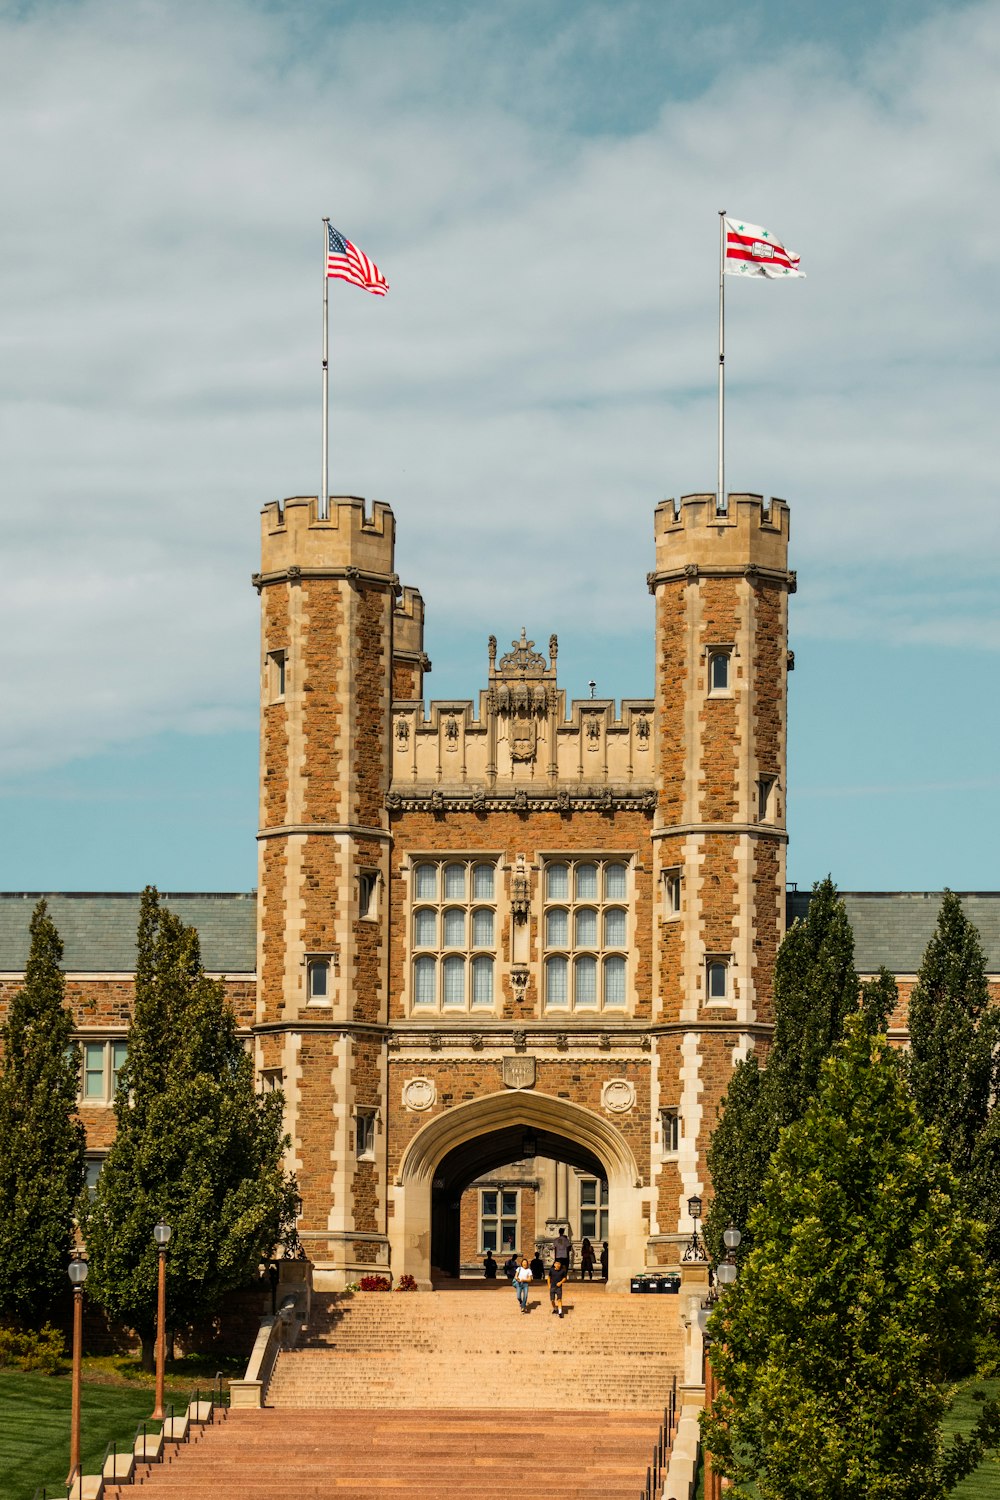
540, 185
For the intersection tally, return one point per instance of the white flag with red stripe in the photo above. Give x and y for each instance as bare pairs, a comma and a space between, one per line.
753, 251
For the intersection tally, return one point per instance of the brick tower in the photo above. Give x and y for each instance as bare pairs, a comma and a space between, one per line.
327, 592
721, 586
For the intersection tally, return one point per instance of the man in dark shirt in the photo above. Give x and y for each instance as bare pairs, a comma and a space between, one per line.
490, 1267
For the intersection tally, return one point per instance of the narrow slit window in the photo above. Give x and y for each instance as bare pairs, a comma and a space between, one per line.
718, 672
718, 980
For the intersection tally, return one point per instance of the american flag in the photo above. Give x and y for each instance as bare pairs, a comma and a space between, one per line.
753, 251
346, 262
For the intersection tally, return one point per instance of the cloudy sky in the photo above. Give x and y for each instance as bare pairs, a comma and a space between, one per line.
540, 184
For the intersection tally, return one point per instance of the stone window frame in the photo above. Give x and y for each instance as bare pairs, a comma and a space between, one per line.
499, 1219
314, 960
93, 1157
271, 1079
673, 892
671, 1131
277, 674
368, 905
767, 797
722, 961
364, 1144
440, 951
710, 653
600, 951
107, 1071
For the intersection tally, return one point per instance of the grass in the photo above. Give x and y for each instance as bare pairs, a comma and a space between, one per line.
117, 1395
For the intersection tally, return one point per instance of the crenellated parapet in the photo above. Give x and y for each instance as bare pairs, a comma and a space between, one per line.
351, 542
694, 539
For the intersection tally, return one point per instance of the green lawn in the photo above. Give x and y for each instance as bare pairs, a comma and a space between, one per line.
34, 1428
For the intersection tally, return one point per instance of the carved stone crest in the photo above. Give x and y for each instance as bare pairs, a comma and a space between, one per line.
618, 1096
419, 1094
519, 1072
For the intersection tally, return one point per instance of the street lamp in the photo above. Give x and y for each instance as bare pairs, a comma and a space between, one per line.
726, 1270
694, 1249
161, 1236
77, 1274
725, 1274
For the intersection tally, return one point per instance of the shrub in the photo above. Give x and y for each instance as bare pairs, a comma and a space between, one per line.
43, 1351
375, 1284
406, 1284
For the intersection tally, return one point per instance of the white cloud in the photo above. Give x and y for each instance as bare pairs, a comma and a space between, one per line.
543, 370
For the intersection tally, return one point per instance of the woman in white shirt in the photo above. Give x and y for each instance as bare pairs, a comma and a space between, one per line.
522, 1280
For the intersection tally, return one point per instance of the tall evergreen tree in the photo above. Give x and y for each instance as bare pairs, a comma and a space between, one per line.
953, 1036
815, 990
195, 1145
879, 997
861, 1296
41, 1137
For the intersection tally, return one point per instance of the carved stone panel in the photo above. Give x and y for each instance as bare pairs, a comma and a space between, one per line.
419, 1094
519, 1072
618, 1096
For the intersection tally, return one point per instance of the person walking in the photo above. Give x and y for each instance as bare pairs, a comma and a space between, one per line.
557, 1277
538, 1266
522, 1281
586, 1261
563, 1248
604, 1261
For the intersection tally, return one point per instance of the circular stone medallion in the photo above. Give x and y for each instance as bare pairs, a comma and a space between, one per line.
618, 1095
419, 1093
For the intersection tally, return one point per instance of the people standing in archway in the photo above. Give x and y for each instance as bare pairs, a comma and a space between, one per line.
604, 1261
538, 1265
586, 1261
490, 1267
522, 1281
563, 1248
557, 1277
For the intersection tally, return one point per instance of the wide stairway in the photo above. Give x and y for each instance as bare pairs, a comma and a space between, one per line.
449, 1395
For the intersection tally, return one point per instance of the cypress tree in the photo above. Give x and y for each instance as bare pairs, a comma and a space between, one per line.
195, 1146
879, 997
41, 1160
815, 990
953, 1035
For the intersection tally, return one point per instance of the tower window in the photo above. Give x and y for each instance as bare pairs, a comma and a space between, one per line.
765, 798
367, 895
719, 671
319, 979
672, 892
670, 1131
276, 674
718, 979
364, 1134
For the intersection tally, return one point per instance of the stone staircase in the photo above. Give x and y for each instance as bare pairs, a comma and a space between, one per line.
465, 1349
447, 1395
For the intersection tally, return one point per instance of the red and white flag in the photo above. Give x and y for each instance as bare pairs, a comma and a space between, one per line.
345, 262
753, 251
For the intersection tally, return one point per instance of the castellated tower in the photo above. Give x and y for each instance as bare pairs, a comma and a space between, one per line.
512, 928
328, 592
721, 585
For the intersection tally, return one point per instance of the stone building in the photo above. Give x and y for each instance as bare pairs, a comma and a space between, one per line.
509, 929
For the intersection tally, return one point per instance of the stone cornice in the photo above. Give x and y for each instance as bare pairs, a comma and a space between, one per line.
350, 830
692, 571
606, 799
295, 574
751, 830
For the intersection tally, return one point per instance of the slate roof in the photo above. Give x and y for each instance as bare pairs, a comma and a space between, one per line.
98, 929
894, 927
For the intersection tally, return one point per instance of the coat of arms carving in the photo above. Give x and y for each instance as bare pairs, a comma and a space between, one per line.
519, 1072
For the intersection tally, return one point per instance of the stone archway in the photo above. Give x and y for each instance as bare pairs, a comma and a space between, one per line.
492, 1117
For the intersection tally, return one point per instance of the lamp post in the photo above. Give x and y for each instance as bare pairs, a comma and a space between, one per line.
77, 1274
161, 1235
725, 1274
694, 1249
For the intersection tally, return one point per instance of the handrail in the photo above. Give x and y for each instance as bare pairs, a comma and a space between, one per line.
657, 1469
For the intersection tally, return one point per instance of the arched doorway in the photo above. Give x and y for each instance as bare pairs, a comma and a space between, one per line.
459, 1144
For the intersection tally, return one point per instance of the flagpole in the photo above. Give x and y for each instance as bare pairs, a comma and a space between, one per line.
721, 499
323, 507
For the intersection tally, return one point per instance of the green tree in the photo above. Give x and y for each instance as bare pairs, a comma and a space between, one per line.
41, 1160
879, 997
861, 1293
815, 989
953, 1036
195, 1145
